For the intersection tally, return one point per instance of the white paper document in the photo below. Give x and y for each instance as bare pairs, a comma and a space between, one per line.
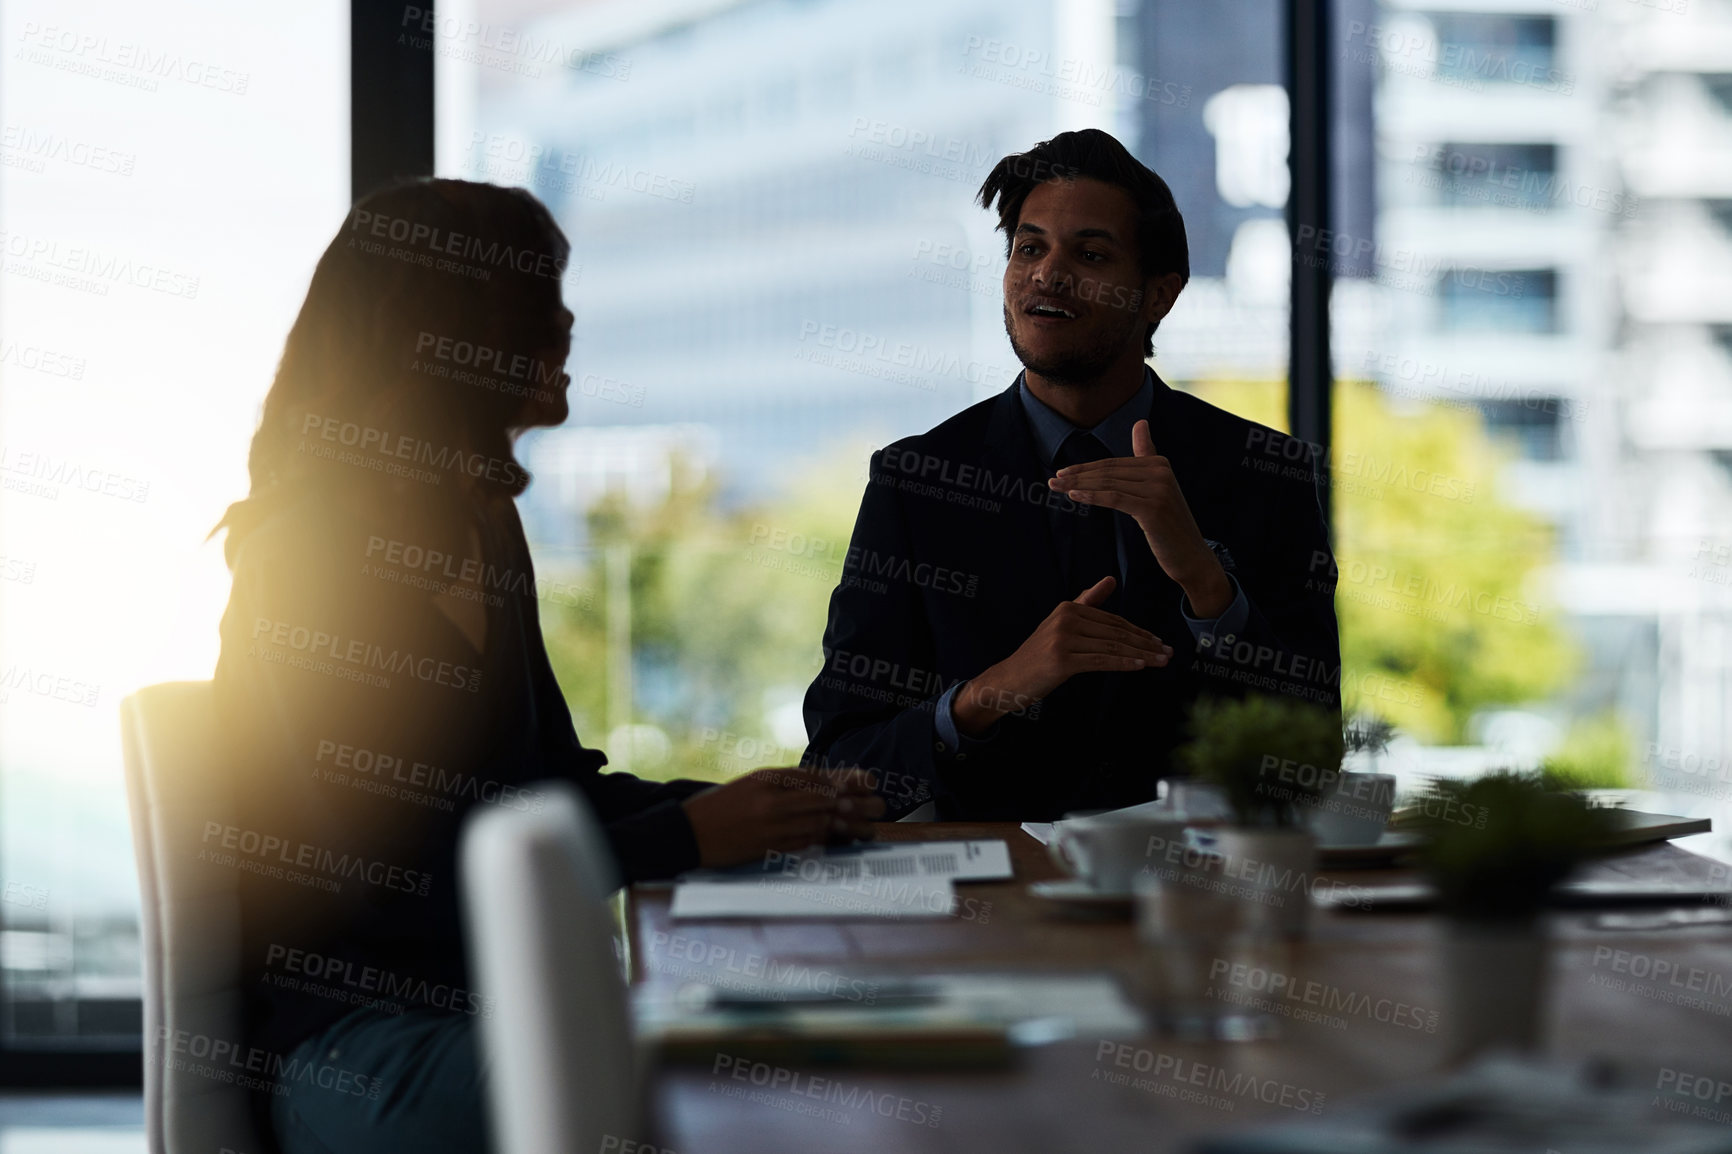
985, 860
1040, 831
961, 861
776, 897
875, 880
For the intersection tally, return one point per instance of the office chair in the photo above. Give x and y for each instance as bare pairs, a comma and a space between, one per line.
556, 1029
191, 925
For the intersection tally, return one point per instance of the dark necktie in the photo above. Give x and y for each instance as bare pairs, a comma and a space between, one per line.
1093, 550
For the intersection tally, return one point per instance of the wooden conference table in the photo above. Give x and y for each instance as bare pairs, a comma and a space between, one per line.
1067, 1096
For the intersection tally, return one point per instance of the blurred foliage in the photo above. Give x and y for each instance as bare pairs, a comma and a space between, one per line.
1597, 753
1497, 844
727, 616
728, 607
1268, 754
1367, 733
1439, 602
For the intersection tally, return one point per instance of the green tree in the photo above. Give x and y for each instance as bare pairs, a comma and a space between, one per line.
727, 614
1440, 596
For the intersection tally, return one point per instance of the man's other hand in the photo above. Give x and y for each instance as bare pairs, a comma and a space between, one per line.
1077, 637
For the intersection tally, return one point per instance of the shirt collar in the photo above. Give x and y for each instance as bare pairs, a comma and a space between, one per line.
1050, 429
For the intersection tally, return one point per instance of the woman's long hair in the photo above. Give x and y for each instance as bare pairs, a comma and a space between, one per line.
432, 333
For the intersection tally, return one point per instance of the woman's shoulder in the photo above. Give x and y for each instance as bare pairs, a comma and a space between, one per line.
303, 532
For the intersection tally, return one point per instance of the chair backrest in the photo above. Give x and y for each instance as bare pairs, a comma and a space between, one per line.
193, 1039
556, 1025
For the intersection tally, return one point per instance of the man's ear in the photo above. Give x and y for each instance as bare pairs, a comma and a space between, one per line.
1159, 295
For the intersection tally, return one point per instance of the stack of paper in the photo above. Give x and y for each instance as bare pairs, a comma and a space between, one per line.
774, 898
877, 880
954, 1019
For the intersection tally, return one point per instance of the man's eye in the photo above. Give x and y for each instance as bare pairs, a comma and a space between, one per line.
1025, 250
1092, 255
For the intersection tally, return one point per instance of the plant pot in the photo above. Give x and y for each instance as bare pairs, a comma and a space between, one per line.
1353, 809
1273, 868
1494, 985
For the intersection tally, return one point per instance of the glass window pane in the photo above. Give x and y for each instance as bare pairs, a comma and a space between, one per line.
169, 179
1529, 433
783, 267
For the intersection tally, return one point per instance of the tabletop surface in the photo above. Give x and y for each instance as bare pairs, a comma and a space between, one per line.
1095, 1095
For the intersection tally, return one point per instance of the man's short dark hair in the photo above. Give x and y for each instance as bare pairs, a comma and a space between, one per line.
1161, 246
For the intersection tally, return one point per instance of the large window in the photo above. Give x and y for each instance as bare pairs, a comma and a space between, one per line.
171, 172
783, 268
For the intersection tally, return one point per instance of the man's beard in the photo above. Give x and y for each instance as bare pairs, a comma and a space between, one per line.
1078, 368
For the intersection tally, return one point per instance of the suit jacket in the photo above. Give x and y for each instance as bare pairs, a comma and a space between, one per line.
952, 566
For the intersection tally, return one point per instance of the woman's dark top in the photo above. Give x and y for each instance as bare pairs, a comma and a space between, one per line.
362, 723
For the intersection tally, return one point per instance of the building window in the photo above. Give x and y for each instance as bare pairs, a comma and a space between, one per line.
1498, 300
1533, 424
1499, 175
1722, 335
1719, 85
1494, 49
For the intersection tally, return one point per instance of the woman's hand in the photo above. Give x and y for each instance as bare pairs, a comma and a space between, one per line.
780, 809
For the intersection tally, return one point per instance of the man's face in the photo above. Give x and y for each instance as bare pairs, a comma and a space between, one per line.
1076, 302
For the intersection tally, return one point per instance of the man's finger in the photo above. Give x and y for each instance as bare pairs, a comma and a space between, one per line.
1104, 659
1083, 469
1134, 646
1095, 631
1107, 663
1110, 620
1106, 498
1097, 593
1142, 444
1121, 468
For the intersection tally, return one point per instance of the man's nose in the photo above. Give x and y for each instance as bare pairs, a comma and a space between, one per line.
1051, 272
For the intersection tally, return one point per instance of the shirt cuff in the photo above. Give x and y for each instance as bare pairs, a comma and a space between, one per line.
1230, 623
951, 740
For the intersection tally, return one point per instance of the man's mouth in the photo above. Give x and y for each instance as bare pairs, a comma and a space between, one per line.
1048, 310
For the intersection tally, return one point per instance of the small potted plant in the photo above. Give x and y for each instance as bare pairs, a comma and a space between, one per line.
1368, 734
1355, 808
1494, 848
1270, 757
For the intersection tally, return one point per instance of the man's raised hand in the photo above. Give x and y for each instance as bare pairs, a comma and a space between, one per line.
1143, 486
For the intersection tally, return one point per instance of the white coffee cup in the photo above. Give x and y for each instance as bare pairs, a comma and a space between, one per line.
1353, 809
1198, 801
1109, 852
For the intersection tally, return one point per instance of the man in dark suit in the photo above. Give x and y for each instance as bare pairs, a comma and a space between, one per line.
1039, 589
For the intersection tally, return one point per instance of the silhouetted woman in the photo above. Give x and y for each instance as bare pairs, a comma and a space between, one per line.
382, 668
